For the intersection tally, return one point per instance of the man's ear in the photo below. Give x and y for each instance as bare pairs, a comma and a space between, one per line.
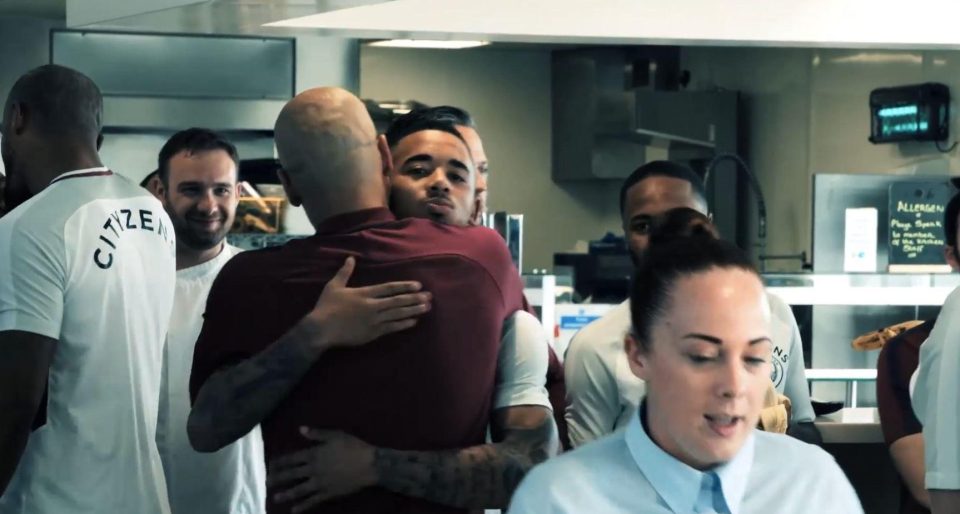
950, 255
237, 193
386, 158
155, 186
292, 194
18, 118
477, 217
637, 356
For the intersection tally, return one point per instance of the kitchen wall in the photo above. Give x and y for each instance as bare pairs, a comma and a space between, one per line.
508, 92
24, 44
319, 61
804, 111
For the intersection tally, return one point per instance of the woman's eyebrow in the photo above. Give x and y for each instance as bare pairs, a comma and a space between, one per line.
718, 341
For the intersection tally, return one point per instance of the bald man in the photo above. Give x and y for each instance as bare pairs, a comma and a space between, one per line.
86, 291
410, 392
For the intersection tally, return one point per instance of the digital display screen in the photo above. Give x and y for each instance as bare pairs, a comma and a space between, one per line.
909, 113
900, 120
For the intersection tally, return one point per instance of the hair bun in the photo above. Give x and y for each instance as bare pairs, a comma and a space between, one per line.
682, 222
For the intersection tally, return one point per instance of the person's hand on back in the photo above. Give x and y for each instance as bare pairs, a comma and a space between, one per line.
354, 316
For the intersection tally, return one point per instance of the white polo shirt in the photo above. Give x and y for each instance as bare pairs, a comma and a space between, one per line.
233, 479
602, 392
936, 398
90, 261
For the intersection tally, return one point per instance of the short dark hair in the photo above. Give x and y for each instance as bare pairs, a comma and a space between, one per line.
681, 222
61, 101
193, 140
146, 180
663, 169
663, 265
413, 122
449, 114
950, 223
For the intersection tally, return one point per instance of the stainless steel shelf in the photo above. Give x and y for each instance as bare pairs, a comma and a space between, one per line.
862, 289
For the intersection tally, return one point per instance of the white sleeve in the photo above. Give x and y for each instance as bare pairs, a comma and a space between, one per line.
522, 363
936, 395
593, 399
32, 280
795, 382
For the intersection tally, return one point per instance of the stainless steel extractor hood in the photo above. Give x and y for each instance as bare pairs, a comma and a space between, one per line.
613, 110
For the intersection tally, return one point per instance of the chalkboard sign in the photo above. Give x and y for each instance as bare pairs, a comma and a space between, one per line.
916, 225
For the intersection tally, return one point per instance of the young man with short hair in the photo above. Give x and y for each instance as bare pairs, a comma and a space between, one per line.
602, 393
197, 184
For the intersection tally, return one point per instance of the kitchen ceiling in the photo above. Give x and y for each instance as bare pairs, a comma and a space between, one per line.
919, 24
810, 23
206, 17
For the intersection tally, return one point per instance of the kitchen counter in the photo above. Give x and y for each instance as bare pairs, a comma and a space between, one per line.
851, 425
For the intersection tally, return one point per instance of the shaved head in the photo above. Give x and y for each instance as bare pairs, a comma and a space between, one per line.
60, 101
322, 131
329, 150
52, 120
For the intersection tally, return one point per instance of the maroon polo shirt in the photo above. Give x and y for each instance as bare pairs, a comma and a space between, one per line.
427, 388
898, 360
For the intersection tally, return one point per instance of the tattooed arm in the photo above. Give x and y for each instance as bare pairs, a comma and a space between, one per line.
478, 477
234, 400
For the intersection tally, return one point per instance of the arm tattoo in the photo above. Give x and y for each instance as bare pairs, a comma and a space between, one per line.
235, 400
475, 478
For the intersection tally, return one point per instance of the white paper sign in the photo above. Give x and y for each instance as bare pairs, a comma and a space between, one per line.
860, 240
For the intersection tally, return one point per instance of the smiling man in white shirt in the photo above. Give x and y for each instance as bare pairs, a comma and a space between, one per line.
86, 290
197, 183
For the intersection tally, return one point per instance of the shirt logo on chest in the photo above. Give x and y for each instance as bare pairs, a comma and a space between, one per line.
779, 360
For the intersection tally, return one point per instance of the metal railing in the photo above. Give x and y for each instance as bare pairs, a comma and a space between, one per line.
851, 376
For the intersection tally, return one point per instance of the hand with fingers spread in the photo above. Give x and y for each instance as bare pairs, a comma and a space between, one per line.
338, 465
353, 316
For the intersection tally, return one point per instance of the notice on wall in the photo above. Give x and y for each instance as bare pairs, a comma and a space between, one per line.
860, 240
916, 226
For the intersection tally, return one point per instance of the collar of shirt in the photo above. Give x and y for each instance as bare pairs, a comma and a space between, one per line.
679, 484
354, 221
227, 251
86, 171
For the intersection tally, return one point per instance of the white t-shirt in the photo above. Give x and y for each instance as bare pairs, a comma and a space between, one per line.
233, 479
90, 261
935, 398
522, 363
603, 393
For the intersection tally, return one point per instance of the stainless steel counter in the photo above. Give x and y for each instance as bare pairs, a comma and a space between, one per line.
851, 425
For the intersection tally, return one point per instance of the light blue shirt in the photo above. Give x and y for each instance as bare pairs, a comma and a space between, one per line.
627, 472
